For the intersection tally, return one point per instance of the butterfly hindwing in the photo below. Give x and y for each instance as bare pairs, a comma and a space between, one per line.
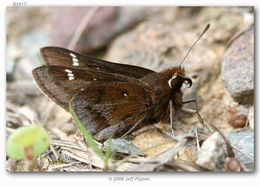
111, 108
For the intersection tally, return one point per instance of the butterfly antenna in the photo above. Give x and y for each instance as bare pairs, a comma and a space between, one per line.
204, 31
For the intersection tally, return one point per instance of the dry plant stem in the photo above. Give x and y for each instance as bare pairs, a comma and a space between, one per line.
241, 152
182, 166
164, 132
243, 167
229, 147
83, 25
163, 158
136, 155
63, 165
57, 156
197, 140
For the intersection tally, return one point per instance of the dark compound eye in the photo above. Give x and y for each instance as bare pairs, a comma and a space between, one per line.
187, 83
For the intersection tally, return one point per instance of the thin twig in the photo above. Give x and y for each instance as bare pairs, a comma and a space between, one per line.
63, 165
243, 153
83, 25
57, 156
197, 140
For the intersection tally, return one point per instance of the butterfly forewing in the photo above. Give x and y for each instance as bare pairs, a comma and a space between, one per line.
112, 104
63, 57
62, 83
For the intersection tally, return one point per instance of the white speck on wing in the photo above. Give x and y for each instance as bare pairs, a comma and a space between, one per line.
72, 55
67, 70
71, 77
74, 60
70, 74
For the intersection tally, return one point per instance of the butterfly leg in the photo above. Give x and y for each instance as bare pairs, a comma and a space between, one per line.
171, 118
192, 111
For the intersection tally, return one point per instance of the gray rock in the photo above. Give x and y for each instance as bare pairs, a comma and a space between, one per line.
123, 146
243, 141
238, 66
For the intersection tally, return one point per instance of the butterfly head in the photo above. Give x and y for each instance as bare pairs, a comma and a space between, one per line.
179, 81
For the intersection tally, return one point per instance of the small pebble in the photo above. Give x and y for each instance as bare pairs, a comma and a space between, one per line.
211, 156
237, 116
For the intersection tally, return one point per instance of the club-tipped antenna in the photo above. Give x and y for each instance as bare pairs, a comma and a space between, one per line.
204, 31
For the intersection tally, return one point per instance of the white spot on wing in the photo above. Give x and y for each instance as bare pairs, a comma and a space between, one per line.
72, 55
74, 60
125, 94
95, 79
67, 70
70, 74
76, 64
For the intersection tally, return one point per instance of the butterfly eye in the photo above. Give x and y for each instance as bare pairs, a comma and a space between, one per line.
187, 83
